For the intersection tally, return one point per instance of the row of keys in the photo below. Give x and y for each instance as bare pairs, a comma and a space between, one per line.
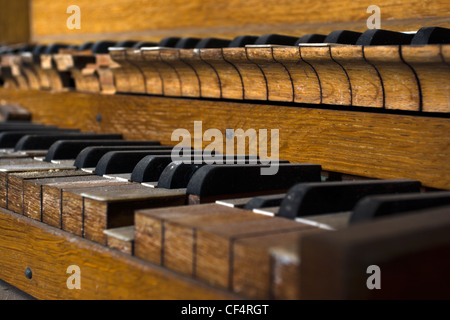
425, 35
111, 191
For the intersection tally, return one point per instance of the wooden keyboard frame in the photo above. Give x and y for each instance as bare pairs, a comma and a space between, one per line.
369, 143
105, 273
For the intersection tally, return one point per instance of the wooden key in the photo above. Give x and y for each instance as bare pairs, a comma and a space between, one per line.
32, 167
121, 239
168, 236
52, 194
113, 206
251, 261
32, 188
215, 244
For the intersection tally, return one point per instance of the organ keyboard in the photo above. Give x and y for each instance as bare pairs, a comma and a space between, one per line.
362, 180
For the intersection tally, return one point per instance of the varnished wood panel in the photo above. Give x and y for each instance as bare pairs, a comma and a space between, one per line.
367, 144
14, 21
121, 19
48, 252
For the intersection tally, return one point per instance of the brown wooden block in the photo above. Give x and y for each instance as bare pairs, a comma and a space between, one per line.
169, 73
128, 77
304, 79
285, 275
32, 188
401, 90
189, 82
180, 235
15, 191
207, 75
253, 81
121, 239
149, 228
215, 243
166, 74
111, 207
251, 262
230, 80
412, 252
153, 80
366, 84
433, 75
334, 82
279, 83
52, 195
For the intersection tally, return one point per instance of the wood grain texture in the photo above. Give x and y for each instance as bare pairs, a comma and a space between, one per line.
111, 207
366, 144
48, 252
121, 19
121, 239
215, 245
393, 77
15, 24
32, 189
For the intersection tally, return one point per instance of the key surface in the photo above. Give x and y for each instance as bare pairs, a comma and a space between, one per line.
125, 161
69, 149
215, 182
374, 207
307, 199
40, 142
90, 156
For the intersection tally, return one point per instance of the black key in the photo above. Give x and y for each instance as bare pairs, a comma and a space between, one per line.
102, 46
178, 173
44, 141
277, 39
242, 41
39, 49
69, 149
306, 199
431, 35
374, 207
125, 44
273, 200
142, 44
187, 43
375, 37
26, 48
124, 161
343, 37
169, 42
86, 46
90, 156
217, 180
149, 168
212, 43
54, 48
311, 38
9, 139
